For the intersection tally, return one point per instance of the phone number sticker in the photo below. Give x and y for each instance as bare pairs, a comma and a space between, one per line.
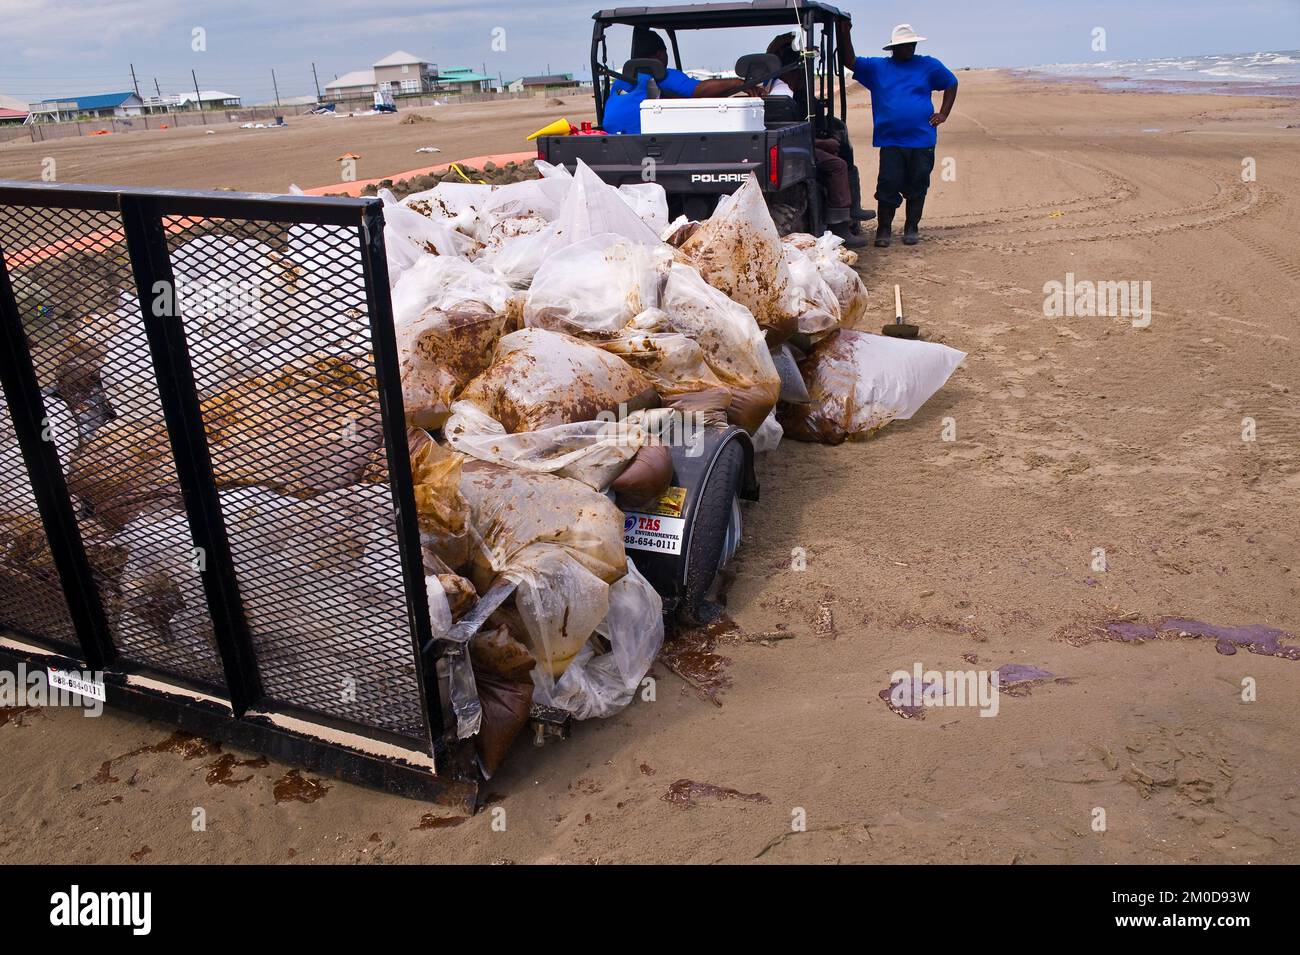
653, 532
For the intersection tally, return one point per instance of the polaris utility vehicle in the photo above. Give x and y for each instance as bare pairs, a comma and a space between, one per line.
696, 168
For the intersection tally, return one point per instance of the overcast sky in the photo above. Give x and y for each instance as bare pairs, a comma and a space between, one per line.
52, 48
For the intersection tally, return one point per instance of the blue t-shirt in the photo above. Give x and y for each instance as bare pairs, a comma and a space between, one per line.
900, 97
623, 109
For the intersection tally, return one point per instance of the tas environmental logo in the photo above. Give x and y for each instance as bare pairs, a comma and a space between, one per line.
134, 909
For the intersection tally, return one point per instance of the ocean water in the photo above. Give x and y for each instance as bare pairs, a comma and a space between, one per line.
1247, 73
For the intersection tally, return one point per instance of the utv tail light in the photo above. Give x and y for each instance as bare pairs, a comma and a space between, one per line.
773, 167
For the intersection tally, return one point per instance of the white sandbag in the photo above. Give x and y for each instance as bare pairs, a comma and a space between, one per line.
598, 685
860, 382
595, 287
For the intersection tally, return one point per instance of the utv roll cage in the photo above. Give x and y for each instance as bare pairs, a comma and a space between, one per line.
805, 15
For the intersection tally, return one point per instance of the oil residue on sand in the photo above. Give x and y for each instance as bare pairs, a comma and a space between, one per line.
1227, 640
430, 821
690, 654
222, 771
684, 792
293, 786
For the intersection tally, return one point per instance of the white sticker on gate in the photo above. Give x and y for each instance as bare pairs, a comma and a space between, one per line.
78, 683
653, 532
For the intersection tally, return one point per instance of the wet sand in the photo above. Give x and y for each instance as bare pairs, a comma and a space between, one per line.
1071, 434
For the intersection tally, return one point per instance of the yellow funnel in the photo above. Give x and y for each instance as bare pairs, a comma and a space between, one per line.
560, 127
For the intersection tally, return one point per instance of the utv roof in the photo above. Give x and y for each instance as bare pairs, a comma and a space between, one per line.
702, 16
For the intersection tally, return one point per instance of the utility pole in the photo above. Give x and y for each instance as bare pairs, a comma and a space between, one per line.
156, 88
134, 83
197, 95
275, 87
316, 80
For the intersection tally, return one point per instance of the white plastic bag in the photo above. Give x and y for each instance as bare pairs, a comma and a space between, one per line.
811, 300
649, 201
597, 286
860, 382
408, 236
593, 452
599, 685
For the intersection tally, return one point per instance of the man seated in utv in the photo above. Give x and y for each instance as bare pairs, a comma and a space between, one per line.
835, 172
623, 110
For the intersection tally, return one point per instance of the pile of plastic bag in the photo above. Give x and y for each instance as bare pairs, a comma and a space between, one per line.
550, 336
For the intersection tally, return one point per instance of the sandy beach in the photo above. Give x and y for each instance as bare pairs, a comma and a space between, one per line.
1070, 435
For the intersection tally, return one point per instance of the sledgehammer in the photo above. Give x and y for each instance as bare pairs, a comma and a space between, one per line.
899, 328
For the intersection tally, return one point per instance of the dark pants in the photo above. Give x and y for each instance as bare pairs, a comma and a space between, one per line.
904, 174
833, 174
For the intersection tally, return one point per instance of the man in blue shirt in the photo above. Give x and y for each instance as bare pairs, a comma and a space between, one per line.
905, 122
623, 110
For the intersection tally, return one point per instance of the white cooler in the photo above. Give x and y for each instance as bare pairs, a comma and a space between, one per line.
737, 114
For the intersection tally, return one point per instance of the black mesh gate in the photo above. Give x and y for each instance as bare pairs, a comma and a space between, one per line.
206, 476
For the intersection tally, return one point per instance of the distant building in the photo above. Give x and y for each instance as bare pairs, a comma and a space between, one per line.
351, 85
100, 106
211, 99
13, 112
543, 82
175, 102
399, 73
463, 79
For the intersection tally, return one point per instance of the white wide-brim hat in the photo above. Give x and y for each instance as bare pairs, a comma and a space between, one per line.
903, 33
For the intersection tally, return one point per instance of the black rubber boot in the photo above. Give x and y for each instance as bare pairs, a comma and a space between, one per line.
851, 239
860, 214
911, 225
885, 225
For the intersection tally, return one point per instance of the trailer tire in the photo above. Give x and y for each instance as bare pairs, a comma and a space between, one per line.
708, 535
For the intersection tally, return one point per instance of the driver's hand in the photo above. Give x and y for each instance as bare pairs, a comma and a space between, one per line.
938, 119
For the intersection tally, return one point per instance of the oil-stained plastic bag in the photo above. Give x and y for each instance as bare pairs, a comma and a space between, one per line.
409, 236
598, 685
731, 340
595, 287
837, 271
860, 382
738, 251
592, 452
448, 317
515, 516
441, 509
672, 362
539, 379
591, 207
310, 426
811, 300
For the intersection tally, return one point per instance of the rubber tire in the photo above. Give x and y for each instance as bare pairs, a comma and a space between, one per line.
712, 514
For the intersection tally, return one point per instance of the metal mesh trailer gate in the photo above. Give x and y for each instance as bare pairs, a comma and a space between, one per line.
208, 493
